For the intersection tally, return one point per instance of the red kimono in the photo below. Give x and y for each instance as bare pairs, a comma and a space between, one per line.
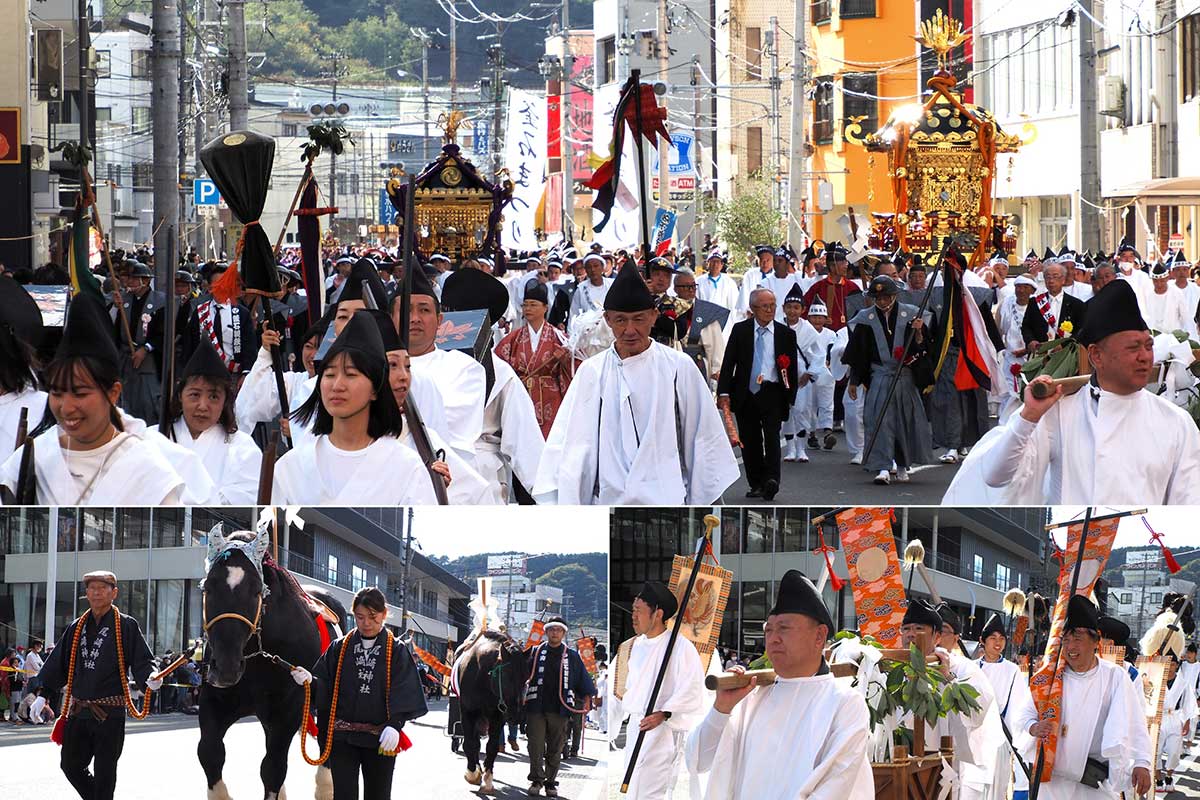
545, 372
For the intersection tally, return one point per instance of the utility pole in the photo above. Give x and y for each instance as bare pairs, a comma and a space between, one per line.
664, 55
83, 39
239, 100
698, 191
453, 57
496, 56
404, 573
568, 66
1089, 145
335, 56
798, 149
164, 106
423, 35
776, 128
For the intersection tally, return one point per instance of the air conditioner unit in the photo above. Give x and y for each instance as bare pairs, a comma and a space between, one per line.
1112, 96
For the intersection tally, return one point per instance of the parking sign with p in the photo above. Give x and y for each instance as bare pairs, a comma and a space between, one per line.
204, 193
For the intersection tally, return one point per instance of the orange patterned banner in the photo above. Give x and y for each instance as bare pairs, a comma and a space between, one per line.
429, 658
586, 647
1047, 683
537, 634
874, 567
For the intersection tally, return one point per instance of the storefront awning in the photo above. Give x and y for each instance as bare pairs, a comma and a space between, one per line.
1183, 191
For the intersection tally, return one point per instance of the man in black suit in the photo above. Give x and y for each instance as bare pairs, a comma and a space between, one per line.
759, 379
1053, 305
141, 390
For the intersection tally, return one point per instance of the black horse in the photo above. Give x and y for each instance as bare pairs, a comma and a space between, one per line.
490, 673
252, 623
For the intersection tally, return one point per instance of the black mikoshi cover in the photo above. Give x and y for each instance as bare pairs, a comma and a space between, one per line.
469, 289
239, 163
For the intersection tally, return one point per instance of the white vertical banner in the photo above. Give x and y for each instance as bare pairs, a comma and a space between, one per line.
624, 227
525, 158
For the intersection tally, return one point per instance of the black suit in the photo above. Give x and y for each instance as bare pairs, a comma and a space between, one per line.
1034, 327
759, 414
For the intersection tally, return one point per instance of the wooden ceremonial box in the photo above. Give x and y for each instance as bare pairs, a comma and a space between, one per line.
910, 778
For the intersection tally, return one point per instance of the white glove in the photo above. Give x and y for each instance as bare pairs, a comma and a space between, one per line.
154, 684
389, 740
301, 676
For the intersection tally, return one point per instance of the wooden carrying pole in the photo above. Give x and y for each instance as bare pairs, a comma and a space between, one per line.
710, 522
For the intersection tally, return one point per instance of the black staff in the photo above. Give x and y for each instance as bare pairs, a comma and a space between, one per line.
635, 80
412, 415
1035, 782
710, 522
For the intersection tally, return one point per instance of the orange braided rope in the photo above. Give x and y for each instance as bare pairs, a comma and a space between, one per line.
337, 681
66, 706
121, 669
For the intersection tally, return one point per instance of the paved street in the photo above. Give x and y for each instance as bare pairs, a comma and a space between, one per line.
829, 475
160, 761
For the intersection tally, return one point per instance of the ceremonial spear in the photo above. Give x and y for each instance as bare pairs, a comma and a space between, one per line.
710, 522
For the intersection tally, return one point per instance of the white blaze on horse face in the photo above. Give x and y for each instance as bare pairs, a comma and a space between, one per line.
234, 576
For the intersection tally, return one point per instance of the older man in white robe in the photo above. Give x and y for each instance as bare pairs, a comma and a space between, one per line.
805, 735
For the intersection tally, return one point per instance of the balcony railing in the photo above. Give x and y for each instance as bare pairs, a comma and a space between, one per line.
857, 9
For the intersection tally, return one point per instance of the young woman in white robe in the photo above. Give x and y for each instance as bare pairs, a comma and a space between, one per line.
202, 420
83, 455
357, 456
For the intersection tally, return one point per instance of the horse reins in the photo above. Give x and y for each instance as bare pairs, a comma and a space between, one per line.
255, 629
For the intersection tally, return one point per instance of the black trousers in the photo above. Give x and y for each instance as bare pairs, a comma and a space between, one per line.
759, 420
574, 734
347, 761
87, 740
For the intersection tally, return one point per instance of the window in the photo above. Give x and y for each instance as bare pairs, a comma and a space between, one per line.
291, 129
141, 119
358, 577
103, 114
332, 570
520, 605
821, 11
103, 63
855, 85
754, 142
977, 574
1003, 574
1055, 221
133, 528
1028, 70
114, 174
97, 530
608, 60
139, 63
823, 111
1189, 49
1156, 597
753, 54
143, 176
168, 522
1126, 598
852, 9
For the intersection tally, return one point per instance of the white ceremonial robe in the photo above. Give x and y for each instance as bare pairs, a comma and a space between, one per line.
258, 400
1167, 312
1179, 707
813, 408
1012, 697
136, 473
10, 417
636, 431
233, 462
198, 486
1142, 283
750, 281
723, 291
511, 442
799, 739
1080, 291
780, 288
682, 694
462, 383
1102, 717
588, 297
1190, 670
384, 473
1117, 449
978, 736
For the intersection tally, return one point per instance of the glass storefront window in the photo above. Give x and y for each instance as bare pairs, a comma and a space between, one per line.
133, 528
793, 536
131, 599
96, 533
166, 632
24, 530
168, 527
759, 532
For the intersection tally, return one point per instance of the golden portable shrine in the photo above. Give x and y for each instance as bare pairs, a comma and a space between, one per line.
941, 163
457, 211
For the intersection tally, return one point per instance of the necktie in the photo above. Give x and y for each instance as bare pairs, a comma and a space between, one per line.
756, 367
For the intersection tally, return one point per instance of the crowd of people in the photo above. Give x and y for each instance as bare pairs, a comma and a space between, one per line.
591, 377
826, 693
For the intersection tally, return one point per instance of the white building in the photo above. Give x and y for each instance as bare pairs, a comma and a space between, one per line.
1146, 581
524, 604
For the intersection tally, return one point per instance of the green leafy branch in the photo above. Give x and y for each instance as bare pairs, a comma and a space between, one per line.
914, 686
325, 136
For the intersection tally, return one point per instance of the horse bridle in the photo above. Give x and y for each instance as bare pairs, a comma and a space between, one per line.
208, 623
